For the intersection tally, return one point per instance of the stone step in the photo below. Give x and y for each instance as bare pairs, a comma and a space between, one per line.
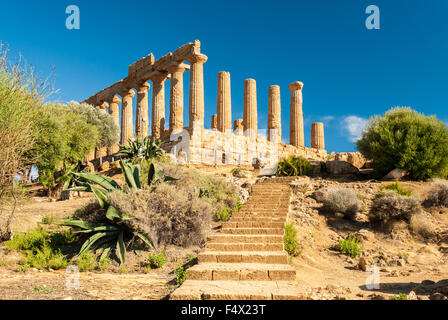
236, 290
253, 231
241, 272
258, 215
244, 238
243, 246
251, 224
278, 257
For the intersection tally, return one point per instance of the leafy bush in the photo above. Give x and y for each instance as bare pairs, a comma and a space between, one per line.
350, 246
157, 260
401, 296
290, 239
223, 214
406, 139
86, 261
294, 166
388, 205
41, 249
396, 186
342, 200
437, 196
103, 121
181, 271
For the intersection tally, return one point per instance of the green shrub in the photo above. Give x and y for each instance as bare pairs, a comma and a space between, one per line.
223, 214
86, 261
33, 239
44, 258
181, 274
396, 186
157, 260
146, 149
294, 166
401, 296
350, 246
290, 239
437, 195
388, 205
342, 200
406, 139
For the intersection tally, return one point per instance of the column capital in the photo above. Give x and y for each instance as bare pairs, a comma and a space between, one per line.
160, 77
127, 92
143, 87
295, 86
198, 58
182, 67
103, 105
114, 99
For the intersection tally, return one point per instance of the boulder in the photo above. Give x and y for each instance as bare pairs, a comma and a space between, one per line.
239, 173
318, 167
354, 158
338, 168
395, 175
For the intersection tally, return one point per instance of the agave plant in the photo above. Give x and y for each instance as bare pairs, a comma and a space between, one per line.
147, 149
294, 166
107, 236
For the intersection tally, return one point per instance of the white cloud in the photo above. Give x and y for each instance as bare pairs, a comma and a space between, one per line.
354, 126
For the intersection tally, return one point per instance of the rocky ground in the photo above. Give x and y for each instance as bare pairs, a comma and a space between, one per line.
407, 262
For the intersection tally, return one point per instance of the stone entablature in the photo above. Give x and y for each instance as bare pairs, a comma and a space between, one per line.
220, 145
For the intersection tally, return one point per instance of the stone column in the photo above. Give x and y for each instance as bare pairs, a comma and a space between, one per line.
158, 106
274, 114
296, 132
127, 130
224, 106
250, 108
101, 152
141, 116
317, 135
214, 122
196, 102
238, 126
114, 112
177, 98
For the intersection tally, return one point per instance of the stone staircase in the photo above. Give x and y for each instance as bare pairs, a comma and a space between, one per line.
246, 259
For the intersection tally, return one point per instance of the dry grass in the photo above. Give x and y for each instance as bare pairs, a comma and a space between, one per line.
342, 200
421, 225
388, 206
437, 195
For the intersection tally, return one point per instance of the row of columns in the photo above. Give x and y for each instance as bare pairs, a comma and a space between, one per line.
222, 121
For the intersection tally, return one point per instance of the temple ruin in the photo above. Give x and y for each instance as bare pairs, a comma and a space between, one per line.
222, 144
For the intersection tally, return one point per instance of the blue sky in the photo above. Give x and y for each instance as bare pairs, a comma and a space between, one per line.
349, 72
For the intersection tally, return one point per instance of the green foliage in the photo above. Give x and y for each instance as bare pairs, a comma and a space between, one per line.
397, 187
294, 166
146, 149
107, 129
406, 139
110, 233
401, 296
350, 246
181, 271
41, 249
86, 261
157, 260
388, 205
223, 214
290, 239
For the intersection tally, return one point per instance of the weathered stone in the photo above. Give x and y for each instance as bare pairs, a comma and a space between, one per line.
214, 123
274, 115
177, 97
296, 131
238, 127
317, 135
395, 174
239, 173
355, 158
141, 116
115, 114
158, 105
340, 168
365, 235
127, 129
224, 105
196, 109
250, 123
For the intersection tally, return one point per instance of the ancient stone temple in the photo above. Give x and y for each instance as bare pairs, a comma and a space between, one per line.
193, 143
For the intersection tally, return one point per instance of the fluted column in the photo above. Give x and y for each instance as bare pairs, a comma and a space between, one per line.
196, 102
177, 98
101, 152
141, 116
238, 127
114, 112
158, 106
296, 132
317, 135
250, 123
127, 130
274, 114
224, 107
214, 122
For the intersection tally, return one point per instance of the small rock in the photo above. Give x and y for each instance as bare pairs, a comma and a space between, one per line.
239, 173
363, 264
364, 235
412, 296
437, 296
401, 262
395, 174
